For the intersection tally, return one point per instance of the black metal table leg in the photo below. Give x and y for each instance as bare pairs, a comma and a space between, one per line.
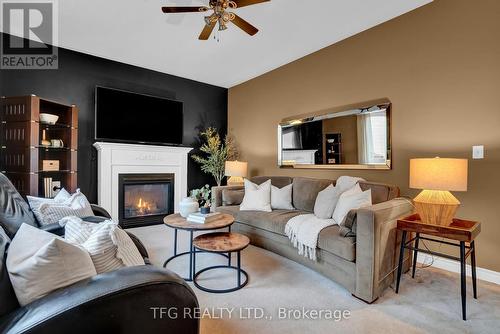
462, 279
415, 254
191, 250
239, 267
229, 254
400, 263
175, 242
194, 260
473, 266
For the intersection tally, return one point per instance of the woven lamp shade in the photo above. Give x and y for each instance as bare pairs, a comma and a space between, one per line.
437, 177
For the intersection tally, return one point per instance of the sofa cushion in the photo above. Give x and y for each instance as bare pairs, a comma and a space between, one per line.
277, 181
349, 225
332, 241
274, 221
232, 196
380, 192
305, 191
229, 209
13, 208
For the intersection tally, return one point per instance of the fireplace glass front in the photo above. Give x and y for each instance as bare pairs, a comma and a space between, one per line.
145, 198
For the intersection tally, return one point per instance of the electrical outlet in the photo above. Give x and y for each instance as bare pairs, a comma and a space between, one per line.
478, 152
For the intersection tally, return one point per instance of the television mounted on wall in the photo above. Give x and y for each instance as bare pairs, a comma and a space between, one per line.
122, 116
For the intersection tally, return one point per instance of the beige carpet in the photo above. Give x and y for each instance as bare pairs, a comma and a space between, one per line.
430, 303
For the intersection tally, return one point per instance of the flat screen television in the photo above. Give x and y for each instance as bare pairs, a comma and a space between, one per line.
122, 116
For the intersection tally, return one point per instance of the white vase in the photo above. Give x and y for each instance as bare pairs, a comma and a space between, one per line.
188, 205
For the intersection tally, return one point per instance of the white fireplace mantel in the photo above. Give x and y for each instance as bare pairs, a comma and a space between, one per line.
114, 159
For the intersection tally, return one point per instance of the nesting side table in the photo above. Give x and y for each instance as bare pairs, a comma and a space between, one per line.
221, 242
177, 222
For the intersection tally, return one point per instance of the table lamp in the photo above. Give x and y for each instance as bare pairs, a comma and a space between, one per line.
437, 177
236, 170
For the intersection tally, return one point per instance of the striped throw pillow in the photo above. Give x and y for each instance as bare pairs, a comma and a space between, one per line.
36, 202
76, 205
110, 247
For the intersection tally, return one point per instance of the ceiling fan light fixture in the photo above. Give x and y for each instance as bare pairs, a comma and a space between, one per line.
222, 24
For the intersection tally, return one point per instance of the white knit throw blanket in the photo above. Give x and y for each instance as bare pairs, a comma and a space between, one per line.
303, 231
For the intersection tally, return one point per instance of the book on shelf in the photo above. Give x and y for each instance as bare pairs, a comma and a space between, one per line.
47, 185
201, 218
51, 187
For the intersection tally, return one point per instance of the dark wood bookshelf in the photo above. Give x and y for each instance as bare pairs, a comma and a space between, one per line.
332, 148
22, 153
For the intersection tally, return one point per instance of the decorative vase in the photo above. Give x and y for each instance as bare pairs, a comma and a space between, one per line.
187, 206
205, 210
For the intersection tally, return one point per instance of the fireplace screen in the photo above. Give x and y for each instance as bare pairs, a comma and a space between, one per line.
146, 199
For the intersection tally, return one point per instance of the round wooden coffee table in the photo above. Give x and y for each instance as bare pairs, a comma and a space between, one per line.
221, 243
177, 222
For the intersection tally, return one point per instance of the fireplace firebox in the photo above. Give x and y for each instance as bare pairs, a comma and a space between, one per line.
144, 199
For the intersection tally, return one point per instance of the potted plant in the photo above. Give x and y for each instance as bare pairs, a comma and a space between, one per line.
202, 195
216, 152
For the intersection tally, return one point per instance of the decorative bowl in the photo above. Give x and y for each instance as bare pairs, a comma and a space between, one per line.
48, 118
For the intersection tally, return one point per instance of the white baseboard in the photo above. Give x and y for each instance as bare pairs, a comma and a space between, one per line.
454, 266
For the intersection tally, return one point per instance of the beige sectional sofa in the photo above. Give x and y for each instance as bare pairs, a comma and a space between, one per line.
362, 260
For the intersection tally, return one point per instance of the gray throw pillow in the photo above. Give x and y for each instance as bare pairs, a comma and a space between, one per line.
348, 226
325, 202
232, 196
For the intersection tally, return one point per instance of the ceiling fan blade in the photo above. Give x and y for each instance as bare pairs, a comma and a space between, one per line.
244, 25
184, 9
243, 3
207, 31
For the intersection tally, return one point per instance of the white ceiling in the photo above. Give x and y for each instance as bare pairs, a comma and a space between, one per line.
137, 32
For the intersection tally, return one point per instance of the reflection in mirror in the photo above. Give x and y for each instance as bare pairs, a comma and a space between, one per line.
349, 137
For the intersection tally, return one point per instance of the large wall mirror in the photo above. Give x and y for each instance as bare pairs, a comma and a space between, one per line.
356, 136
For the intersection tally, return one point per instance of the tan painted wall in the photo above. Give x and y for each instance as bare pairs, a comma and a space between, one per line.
439, 65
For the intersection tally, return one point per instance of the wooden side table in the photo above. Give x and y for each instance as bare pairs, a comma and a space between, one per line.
177, 222
221, 242
463, 231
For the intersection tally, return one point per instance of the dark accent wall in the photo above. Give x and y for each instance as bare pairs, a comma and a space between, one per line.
74, 83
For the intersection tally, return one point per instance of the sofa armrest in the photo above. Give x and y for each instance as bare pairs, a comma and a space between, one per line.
100, 211
122, 301
377, 246
217, 194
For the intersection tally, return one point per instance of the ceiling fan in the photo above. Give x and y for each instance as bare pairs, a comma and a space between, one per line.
220, 15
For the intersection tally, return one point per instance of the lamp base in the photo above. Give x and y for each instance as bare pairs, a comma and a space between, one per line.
436, 207
235, 181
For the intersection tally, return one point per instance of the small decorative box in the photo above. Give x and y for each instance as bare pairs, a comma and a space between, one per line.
50, 165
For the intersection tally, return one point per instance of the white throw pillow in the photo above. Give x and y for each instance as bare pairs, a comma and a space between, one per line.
108, 245
39, 262
75, 205
36, 202
352, 199
345, 183
325, 203
281, 198
257, 197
